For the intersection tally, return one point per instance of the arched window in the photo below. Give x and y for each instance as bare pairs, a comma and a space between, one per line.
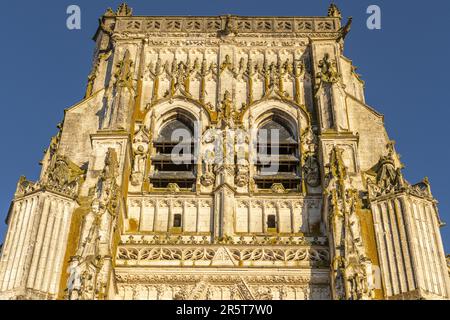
277, 154
174, 161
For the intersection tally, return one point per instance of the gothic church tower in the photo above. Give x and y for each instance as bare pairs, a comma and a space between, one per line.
115, 216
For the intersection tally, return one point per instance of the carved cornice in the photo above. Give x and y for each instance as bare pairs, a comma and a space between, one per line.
241, 25
251, 240
193, 279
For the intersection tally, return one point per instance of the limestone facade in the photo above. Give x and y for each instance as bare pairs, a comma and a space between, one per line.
114, 216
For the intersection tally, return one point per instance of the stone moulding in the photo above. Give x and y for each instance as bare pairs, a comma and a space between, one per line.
223, 256
336, 220
238, 24
190, 278
167, 239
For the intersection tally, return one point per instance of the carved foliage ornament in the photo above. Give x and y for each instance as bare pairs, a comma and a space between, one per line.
255, 254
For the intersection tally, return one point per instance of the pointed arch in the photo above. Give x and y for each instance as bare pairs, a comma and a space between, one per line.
190, 106
295, 113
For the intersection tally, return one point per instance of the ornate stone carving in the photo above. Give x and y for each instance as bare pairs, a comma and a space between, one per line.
345, 30
310, 162
226, 117
211, 141
238, 255
123, 75
351, 267
173, 188
312, 171
227, 65
230, 73
241, 240
278, 188
388, 178
90, 268
124, 11
242, 140
228, 27
141, 142
328, 70
64, 176
61, 175
334, 12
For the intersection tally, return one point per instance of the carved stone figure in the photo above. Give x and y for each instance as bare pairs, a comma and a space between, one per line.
312, 172
242, 175
387, 177
328, 70
338, 220
140, 151
226, 111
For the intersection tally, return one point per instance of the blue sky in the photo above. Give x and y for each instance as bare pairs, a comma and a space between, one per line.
405, 65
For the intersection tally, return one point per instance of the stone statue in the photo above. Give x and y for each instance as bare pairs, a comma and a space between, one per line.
209, 160
312, 172
226, 112
328, 70
140, 154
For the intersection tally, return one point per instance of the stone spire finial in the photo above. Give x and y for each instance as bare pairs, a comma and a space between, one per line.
124, 10
334, 12
109, 13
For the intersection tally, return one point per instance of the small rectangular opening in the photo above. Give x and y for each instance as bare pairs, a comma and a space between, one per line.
271, 222
177, 221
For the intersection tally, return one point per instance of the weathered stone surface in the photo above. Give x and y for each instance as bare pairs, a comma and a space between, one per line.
113, 216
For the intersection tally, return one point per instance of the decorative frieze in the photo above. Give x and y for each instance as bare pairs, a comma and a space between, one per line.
215, 256
239, 25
